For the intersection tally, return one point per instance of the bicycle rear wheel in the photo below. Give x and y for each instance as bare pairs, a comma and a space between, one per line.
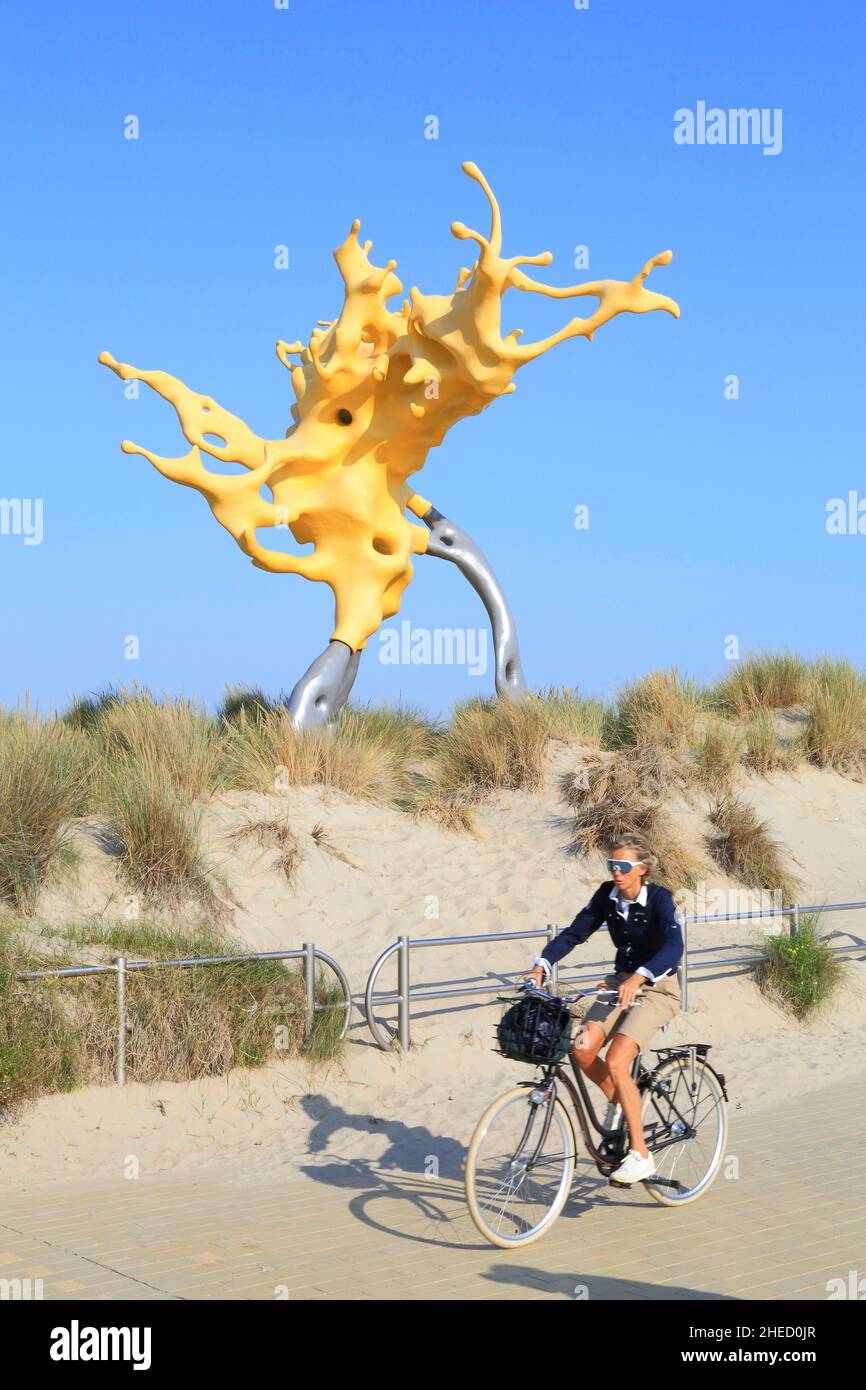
690, 1099
519, 1168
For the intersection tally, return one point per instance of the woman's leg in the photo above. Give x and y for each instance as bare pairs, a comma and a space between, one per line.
590, 1063
620, 1055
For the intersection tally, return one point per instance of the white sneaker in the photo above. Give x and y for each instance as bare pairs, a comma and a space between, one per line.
635, 1167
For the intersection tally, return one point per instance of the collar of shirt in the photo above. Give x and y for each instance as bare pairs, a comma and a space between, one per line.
624, 904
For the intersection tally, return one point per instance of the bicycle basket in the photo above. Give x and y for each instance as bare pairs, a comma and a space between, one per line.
535, 1029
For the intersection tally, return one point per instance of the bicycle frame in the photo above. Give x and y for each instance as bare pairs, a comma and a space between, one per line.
586, 1115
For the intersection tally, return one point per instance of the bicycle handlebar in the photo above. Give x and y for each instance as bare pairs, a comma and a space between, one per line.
612, 995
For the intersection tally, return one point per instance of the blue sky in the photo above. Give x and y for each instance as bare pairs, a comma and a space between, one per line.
262, 126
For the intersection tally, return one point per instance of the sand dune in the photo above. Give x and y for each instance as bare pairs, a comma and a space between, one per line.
384, 874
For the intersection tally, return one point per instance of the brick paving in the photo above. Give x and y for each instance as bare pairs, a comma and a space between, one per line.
793, 1218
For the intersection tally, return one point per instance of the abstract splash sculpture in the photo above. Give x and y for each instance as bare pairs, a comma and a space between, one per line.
375, 390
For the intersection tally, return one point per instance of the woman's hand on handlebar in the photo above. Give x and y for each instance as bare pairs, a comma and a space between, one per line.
536, 976
630, 989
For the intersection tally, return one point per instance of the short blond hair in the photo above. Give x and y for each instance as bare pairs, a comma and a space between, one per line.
639, 849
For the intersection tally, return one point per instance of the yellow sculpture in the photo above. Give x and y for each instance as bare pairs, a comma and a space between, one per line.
375, 390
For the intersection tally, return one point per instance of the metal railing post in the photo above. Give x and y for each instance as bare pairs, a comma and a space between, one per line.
684, 966
403, 1017
120, 1063
554, 973
795, 920
310, 983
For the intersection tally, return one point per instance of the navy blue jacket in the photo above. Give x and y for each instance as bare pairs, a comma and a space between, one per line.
650, 937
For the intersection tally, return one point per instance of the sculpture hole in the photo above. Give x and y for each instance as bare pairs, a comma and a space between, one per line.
383, 546
344, 417
214, 439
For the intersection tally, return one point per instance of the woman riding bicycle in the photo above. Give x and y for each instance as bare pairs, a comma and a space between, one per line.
644, 926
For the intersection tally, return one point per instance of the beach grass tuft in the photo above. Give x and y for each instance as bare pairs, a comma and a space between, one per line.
743, 847
800, 972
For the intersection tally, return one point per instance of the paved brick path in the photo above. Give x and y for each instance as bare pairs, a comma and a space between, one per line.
793, 1219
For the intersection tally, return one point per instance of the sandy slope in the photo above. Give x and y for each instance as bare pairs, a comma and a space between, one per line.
407, 877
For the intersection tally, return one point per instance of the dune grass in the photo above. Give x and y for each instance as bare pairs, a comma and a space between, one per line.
659, 709
569, 717
370, 754
615, 795
249, 699
835, 734
174, 734
185, 1023
86, 711
454, 812
743, 847
717, 756
275, 833
800, 973
154, 832
765, 680
45, 767
491, 745
765, 751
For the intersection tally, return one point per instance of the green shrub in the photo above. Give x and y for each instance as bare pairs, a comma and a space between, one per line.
800, 972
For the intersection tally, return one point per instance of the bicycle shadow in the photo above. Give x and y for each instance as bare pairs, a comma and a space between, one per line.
414, 1190
594, 1288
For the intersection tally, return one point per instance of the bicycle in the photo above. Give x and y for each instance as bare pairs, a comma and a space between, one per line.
521, 1158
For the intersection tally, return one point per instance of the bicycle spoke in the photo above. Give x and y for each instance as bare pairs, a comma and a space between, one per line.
521, 1168
693, 1160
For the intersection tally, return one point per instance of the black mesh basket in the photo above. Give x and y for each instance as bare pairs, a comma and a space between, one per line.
536, 1029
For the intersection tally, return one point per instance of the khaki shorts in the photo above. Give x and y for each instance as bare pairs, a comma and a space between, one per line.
659, 1004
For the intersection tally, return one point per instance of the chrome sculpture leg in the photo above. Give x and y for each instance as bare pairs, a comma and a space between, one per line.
323, 690
448, 542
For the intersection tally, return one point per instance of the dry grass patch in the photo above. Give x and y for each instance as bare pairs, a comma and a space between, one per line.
186, 1022
323, 841
490, 745
366, 755
452, 813
614, 796
275, 833
744, 848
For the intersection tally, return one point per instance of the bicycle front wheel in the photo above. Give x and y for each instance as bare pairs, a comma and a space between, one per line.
519, 1168
689, 1099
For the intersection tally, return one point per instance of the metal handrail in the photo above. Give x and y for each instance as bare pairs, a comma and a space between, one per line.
120, 968
404, 995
